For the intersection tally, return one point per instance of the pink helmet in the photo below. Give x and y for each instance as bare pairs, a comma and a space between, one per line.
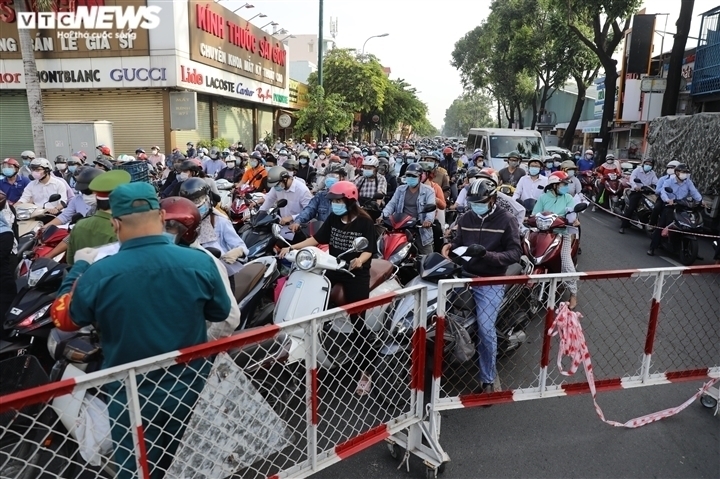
343, 189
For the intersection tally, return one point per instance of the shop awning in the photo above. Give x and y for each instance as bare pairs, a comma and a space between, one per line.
616, 130
587, 126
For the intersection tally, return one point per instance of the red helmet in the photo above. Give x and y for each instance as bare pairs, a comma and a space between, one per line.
12, 161
447, 151
141, 156
343, 189
182, 216
490, 174
103, 149
557, 177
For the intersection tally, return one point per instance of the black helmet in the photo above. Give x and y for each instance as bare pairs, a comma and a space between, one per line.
291, 165
481, 191
277, 174
682, 168
473, 172
649, 160
103, 161
343, 154
336, 168
84, 176
194, 189
60, 159
189, 165
414, 168
257, 155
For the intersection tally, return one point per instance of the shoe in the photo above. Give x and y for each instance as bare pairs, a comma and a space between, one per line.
651, 252
621, 231
364, 386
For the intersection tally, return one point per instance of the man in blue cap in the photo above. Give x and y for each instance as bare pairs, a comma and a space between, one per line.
107, 295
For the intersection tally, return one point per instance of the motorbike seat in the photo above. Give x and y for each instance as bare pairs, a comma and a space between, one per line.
380, 271
247, 278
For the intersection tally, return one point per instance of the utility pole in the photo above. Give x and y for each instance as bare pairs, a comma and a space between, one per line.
321, 45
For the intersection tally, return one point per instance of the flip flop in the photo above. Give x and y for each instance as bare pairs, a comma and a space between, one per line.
364, 386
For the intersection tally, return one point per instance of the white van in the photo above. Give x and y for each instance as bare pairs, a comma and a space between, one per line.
497, 143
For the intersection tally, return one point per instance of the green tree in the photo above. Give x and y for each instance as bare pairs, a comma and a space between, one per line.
325, 114
402, 108
600, 25
470, 110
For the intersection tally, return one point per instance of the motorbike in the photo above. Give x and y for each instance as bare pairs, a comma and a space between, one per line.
31, 217
397, 244
39, 246
589, 187
308, 291
241, 209
687, 219
259, 236
254, 291
225, 188
28, 319
513, 316
543, 245
613, 190
642, 213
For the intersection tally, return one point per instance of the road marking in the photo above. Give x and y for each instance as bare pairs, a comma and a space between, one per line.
601, 221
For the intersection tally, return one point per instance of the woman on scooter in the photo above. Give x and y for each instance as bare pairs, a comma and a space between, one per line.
557, 200
347, 222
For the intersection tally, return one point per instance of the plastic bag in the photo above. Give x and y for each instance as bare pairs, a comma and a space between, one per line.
93, 430
464, 348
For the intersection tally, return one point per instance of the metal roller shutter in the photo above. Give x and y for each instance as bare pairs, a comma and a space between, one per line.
15, 128
265, 122
235, 123
137, 116
204, 130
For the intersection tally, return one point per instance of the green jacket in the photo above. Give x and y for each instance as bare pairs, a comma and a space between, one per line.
95, 230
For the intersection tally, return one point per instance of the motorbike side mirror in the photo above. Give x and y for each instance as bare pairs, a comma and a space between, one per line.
429, 208
378, 196
476, 250
281, 203
359, 244
248, 196
668, 189
276, 228
637, 180
215, 252
53, 198
580, 207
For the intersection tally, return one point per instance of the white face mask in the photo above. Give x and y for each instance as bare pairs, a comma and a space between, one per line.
231, 164
38, 174
670, 171
154, 152
682, 176
61, 166
90, 200
183, 176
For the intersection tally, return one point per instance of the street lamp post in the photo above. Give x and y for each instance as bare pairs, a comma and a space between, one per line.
261, 15
374, 36
320, 45
268, 24
247, 5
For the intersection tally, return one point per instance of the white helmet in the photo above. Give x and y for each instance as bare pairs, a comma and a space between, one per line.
673, 164
204, 151
28, 154
589, 152
125, 158
42, 162
609, 156
371, 161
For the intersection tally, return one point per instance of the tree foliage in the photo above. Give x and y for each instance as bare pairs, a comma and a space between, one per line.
470, 110
325, 114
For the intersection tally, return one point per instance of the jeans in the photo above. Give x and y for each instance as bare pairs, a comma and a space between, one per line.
487, 303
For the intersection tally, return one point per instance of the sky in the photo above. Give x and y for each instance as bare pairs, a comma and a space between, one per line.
422, 34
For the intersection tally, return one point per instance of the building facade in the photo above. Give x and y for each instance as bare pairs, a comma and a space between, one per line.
705, 88
237, 72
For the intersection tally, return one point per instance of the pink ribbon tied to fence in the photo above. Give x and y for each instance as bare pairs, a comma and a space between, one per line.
572, 343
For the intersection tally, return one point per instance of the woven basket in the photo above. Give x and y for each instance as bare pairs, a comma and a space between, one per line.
139, 170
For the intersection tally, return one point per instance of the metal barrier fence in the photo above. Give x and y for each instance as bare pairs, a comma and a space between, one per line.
642, 327
276, 401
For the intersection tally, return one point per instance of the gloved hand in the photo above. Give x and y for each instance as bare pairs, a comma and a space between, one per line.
233, 255
86, 254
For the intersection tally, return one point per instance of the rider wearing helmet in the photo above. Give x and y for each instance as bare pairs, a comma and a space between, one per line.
587, 163
234, 168
305, 171
282, 185
347, 222
12, 183
319, 207
427, 178
532, 185
61, 168
647, 177
681, 187
216, 230
410, 199
182, 222
103, 162
511, 174
386, 170
449, 163
659, 204
569, 167
497, 231
26, 157
83, 204
610, 167
212, 166
104, 150
44, 185
556, 200
255, 175
370, 183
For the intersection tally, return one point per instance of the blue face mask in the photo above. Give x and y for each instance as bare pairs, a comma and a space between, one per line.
278, 188
303, 161
170, 236
571, 173
8, 172
412, 181
339, 209
203, 209
26, 162
367, 173
534, 171
577, 157
329, 182
479, 208
563, 189
72, 168
253, 163
647, 168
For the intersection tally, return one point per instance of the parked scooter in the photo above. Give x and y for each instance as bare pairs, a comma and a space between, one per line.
254, 291
687, 219
259, 238
308, 291
31, 217
641, 216
28, 320
40, 246
225, 188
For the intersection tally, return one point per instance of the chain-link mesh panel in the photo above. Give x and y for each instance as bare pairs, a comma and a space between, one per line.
615, 315
263, 403
688, 328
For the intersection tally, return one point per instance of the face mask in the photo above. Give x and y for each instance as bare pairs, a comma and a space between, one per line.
72, 168
339, 209
670, 171
61, 166
647, 168
479, 208
8, 172
321, 156
38, 174
204, 209
329, 182
231, 164
549, 165
303, 161
26, 162
367, 173
513, 163
154, 152
556, 164
589, 157
610, 162
682, 176
534, 171
278, 188
412, 182
563, 189
408, 160
172, 237
571, 173
282, 158
253, 163
89, 200
577, 157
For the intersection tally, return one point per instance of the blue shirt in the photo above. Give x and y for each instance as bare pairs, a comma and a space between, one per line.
319, 207
76, 205
680, 190
661, 183
14, 191
585, 165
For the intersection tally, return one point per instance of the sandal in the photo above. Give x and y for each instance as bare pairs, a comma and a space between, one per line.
363, 387
572, 303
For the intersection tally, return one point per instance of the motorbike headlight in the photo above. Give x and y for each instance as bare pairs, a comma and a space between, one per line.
36, 276
34, 317
400, 254
544, 223
305, 259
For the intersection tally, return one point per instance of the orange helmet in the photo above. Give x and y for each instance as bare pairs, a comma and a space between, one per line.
103, 149
490, 174
343, 189
447, 151
557, 177
12, 161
